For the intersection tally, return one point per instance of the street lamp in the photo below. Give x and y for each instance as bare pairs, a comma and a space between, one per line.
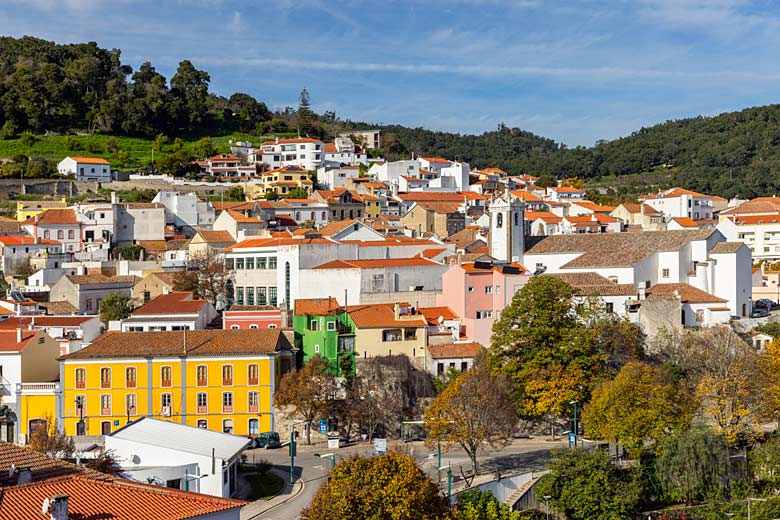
188, 477
293, 450
547, 505
449, 483
331, 456
576, 430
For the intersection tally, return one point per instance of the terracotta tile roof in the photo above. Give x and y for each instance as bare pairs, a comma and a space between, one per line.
494, 171
58, 308
8, 339
250, 308
592, 206
200, 343
673, 193
565, 189
616, 249
167, 278
432, 314
276, 242
317, 306
688, 293
590, 283
44, 321
442, 196
486, 267
469, 349
525, 196
334, 228
752, 220
117, 499
216, 237
448, 208
97, 279
224, 157
7, 226
757, 205
726, 247
26, 241
433, 253
241, 218
41, 467
685, 222
383, 315
594, 218
236, 206
377, 263
331, 148
465, 237
292, 141
633, 207
90, 160
171, 303
153, 246
435, 159
54, 217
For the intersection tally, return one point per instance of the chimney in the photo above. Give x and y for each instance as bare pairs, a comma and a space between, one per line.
113, 197
18, 335
24, 476
58, 507
397, 311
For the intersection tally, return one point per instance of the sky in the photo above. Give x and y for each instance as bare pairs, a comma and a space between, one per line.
575, 71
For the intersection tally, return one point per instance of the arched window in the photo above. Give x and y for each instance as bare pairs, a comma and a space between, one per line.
105, 378
517, 218
500, 220
81, 378
202, 373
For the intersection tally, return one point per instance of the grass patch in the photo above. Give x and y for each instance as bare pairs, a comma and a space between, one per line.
265, 486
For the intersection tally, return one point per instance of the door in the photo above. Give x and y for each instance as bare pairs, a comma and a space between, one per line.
105, 428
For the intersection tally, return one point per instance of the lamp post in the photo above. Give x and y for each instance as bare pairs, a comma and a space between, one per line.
293, 450
188, 477
449, 483
547, 506
80, 430
576, 431
332, 457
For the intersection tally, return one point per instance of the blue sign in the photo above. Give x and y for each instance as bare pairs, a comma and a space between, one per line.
116, 422
323, 425
572, 439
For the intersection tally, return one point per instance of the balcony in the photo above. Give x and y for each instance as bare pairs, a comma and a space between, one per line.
202, 409
254, 408
227, 408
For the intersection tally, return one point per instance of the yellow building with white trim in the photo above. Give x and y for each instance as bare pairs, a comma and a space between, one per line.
222, 380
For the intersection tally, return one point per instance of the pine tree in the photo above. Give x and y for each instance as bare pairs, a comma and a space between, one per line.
305, 115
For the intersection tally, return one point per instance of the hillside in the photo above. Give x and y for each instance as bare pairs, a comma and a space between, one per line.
117, 113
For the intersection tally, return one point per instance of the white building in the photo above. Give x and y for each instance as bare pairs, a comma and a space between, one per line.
371, 139
343, 151
390, 172
186, 210
434, 164
85, 168
194, 459
459, 173
564, 194
304, 152
677, 202
17, 251
172, 311
332, 178
506, 234
61, 225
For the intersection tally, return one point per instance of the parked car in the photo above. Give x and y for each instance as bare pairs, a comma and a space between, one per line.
759, 313
269, 440
735, 318
766, 303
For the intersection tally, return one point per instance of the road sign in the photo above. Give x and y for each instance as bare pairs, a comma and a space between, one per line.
380, 446
333, 443
323, 425
572, 439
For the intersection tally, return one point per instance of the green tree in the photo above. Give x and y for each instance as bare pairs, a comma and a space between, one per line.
482, 505
390, 487
297, 193
586, 485
642, 403
307, 392
203, 148
159, 141
693, 465
305, 114
765, 462
189, 92
115, 306
474, 411
8, 131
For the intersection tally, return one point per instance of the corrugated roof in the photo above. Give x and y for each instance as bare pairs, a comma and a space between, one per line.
180, 437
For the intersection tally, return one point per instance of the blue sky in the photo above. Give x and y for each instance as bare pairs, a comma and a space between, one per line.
572, 70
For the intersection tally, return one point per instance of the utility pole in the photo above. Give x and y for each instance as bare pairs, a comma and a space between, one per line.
576, 430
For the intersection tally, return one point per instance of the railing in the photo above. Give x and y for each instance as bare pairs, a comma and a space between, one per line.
105, 411
202, 409
202, 382
33, 387
104, 384
227, 408
227, 382
166, 382
81, 384
254, 408
131, 383
254, 381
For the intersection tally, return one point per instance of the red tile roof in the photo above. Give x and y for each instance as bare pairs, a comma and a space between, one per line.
41, 467
44, 321
276, 242
117, 499
673, 193
26, 241
90, 160
171, 303
292, 141
432, 314
455, 350
685, 222
442, 196
216, 237
241, 218
435, 159
383, 315
53, 217
687, 293
317, 306
9, 343
377, 263
525, 196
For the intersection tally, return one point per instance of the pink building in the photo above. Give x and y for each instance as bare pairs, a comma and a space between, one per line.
478, 292
252, 317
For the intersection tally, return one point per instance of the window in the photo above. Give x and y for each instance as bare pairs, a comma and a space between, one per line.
410, 334
481, 315
105, 378
391, 335
253, 374
254, 426
271, 262
202, 402
262, 298
70, 234
46, 234
203, 424
314, 324
88, 304
60, 234
240, 295
227, 374
130, 377
202, 375
500, 220
272, 296
234, 327
250, 263
130, 404
105, 404
227, 402
488, 289
331, 326
250, 295
471, 289
261, 262
700, 315
610, 307
254, 401
239, 264
498, 289
166, 376
81, 378
227, 427
665, 273
165, 401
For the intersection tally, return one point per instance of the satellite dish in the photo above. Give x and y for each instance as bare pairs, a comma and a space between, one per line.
11, 470
45, 506
440, 319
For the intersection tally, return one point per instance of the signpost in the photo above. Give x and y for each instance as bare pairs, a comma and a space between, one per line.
380, 446
323, 426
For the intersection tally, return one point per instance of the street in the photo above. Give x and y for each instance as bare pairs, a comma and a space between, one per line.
520, 456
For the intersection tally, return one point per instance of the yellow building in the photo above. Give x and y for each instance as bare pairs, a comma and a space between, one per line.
223, 380
285, 179
29, 208
389, 329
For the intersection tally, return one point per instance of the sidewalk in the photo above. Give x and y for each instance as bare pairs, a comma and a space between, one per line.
254, 509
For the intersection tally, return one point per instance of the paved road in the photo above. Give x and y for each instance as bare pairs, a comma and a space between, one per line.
521, 456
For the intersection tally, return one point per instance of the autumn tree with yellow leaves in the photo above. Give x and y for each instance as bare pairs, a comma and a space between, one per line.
474, 411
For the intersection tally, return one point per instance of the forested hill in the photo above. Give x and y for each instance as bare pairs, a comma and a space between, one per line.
49, 87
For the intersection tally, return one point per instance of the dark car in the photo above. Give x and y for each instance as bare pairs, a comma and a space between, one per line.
269, 440
765, 303
759, 313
